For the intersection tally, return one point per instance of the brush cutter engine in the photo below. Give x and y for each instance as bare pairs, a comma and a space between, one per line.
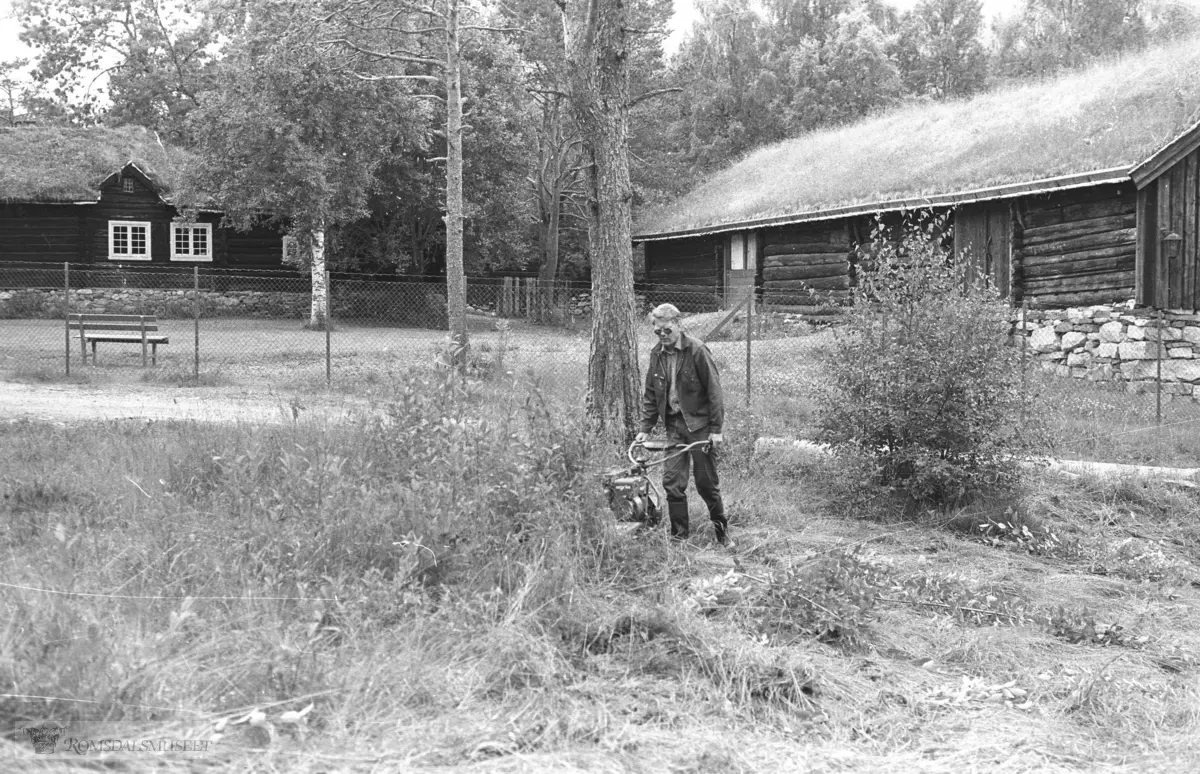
632, 495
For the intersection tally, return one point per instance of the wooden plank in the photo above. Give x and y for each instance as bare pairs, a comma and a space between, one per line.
1192, 237
788, 248
806, 272
1140, 256
1089, 266
805, 299
1061, 301
1161, 296
1129, 248
841, 282
805, 259
1116, 279
1187, 230
1032, 236
1076, 244
1066, 210
134, 318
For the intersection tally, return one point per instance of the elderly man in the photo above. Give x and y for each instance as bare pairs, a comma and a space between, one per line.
683, 388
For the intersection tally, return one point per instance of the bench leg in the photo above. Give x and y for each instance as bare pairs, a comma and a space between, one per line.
83, 348
154, 353
93, 354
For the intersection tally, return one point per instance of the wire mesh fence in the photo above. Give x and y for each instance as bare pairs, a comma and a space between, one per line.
268, 331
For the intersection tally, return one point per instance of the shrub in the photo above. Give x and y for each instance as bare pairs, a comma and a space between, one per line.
924, 383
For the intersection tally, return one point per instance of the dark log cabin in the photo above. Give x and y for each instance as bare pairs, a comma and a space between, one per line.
103, 197
1056, 210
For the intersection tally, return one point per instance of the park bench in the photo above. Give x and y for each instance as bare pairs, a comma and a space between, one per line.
117, 328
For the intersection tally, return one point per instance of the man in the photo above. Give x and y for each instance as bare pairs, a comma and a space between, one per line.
684, 389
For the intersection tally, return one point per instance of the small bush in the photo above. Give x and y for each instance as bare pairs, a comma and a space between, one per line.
924, 382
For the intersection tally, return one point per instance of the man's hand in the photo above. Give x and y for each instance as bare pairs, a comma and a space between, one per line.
641, 437
716, 439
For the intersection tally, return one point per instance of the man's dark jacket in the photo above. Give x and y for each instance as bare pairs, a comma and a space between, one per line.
696, 382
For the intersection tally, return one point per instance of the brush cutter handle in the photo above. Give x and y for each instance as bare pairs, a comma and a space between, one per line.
674, 449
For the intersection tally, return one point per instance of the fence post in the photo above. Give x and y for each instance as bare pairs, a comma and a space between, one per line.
328, 325
1024, 344
67, 311
749, 337
1158, 374
196, 319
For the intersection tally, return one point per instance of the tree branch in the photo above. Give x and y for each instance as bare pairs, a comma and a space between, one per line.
652, 94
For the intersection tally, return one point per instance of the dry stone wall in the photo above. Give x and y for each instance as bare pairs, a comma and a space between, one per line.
1117, 344
37, 303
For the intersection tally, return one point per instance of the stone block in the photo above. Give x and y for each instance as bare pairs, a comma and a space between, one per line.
1137, 350
1107, 349
1101, 372
1191, 334
1076, 315
1070, 340
1169, 334
1062, 371
1135, 333
1080, 359
1044, 339
1112, 331
1062, 327
1180, 353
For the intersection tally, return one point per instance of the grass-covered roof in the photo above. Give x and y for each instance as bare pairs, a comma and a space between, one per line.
55, 164
1108, 118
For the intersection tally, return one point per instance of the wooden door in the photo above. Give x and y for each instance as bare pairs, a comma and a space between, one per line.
741, 263
983, 236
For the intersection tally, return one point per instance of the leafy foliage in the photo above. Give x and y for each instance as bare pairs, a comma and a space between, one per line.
831, 598
924, 383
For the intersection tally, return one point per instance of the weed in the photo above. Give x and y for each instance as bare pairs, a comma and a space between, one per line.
830, 598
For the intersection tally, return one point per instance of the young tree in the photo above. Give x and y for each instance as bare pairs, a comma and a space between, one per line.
290, 139
422, 41
598, 60
940, 48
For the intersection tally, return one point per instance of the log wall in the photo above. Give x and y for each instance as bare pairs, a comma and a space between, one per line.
1076, 248
693, 263
806, 267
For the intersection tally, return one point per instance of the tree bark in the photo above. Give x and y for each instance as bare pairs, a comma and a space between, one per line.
319, 312
456, 284
599, 68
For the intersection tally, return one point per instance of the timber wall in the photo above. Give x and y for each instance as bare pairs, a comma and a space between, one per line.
806, 267
1170, 204
1076, 248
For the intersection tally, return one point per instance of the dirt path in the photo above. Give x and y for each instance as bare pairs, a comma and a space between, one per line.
77, 403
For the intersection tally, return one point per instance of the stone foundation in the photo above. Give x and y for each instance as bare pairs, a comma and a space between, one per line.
1117, 344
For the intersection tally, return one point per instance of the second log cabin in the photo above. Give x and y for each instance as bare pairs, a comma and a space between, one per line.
1069, 192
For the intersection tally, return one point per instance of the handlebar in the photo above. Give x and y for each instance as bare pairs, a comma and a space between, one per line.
675, 449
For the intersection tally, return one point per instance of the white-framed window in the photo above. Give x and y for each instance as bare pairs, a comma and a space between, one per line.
291, 251
743, 246
128, 240
191, 242
128, 186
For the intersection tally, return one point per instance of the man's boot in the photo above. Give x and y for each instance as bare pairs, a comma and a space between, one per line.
678, 512
720, 527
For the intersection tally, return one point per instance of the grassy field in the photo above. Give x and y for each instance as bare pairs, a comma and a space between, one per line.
437, 584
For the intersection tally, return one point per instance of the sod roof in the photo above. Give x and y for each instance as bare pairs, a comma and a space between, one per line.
1082, 128
56, 164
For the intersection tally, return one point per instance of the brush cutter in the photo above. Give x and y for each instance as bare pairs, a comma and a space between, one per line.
632, 494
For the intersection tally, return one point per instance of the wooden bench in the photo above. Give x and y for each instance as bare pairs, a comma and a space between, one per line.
117, 328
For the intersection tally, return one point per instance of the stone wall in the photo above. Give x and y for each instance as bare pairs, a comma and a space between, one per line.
34, 303
1117, 344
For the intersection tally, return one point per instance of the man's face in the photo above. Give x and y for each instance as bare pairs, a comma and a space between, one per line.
667, 331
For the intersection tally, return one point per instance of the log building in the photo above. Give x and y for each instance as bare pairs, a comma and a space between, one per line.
105, 196
1062, 193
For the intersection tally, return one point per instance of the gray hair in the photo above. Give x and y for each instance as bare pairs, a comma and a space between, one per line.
666, 312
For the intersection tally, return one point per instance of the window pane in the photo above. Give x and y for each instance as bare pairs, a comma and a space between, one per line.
137, 240
181, 241
120, 240
737, 252
199, 241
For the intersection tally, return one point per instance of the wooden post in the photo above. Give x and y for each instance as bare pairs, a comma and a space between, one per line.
67, 310
749, 338
1024, 345
530, 311
142, 326
328, 325
196, 317
1158, 376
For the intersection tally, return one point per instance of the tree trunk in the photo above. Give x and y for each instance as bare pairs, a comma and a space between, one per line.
319, 313
456, 284
600, 97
